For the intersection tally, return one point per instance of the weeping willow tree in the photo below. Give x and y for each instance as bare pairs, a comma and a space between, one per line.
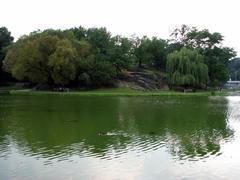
186, 68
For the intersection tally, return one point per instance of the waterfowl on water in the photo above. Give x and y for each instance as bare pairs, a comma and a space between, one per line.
152, 133
102, 133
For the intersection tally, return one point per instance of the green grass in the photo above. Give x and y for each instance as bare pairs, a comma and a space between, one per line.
8, 88
115, 92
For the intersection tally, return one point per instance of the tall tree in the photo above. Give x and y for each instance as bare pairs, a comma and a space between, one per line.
158, 50
79, 33
151, 52
217, 60
186, 68
210, 46
179, 34
141, 51
100, 40
5, 40
63, 63
120, 53
42, 58
56, 58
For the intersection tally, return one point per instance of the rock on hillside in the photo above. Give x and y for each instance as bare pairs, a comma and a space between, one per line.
143, 80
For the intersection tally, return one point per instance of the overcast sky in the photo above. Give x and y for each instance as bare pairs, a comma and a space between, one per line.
124, 17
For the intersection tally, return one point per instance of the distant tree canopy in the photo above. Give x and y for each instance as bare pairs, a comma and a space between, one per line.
186, 68
234, 68
93, 57
5, 40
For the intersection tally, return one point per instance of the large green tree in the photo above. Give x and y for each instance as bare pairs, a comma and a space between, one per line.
158, 50
42, 58
100, 40
186, 68
59, 58
234, 68
151, 52
217, 60
79, 33
210, 46
5, 40
63, 62
120, 53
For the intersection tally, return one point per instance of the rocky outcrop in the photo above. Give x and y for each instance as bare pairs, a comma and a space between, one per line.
144, 80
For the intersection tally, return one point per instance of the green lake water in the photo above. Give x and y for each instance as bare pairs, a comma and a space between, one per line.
67, 137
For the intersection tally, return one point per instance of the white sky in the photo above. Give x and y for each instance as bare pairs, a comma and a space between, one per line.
124, 17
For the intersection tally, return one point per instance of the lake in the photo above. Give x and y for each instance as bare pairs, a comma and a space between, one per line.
71, 137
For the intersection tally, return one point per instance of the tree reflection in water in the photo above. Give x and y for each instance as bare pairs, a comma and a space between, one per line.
59, 127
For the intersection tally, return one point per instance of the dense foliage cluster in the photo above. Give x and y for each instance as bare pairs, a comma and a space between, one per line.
216, 56
186, 68
93, 57
5, 40
234, 68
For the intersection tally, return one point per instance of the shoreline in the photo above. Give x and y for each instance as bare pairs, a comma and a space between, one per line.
116, 92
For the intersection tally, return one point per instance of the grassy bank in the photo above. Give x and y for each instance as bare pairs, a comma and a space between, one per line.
115, 92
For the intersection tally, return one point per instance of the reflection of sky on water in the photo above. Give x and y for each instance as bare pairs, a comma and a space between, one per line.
140, 156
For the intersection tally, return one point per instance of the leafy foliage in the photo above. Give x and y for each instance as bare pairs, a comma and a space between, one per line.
42, 58
234, 68
151, 52
186, 68
5, 40
56, 58
62, 63
210, 46
94, 58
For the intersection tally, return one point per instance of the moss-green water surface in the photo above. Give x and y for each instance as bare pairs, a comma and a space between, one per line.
71, 137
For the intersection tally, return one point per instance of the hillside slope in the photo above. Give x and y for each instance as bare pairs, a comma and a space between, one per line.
144, 80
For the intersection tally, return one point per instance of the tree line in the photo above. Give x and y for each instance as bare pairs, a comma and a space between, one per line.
93, 57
